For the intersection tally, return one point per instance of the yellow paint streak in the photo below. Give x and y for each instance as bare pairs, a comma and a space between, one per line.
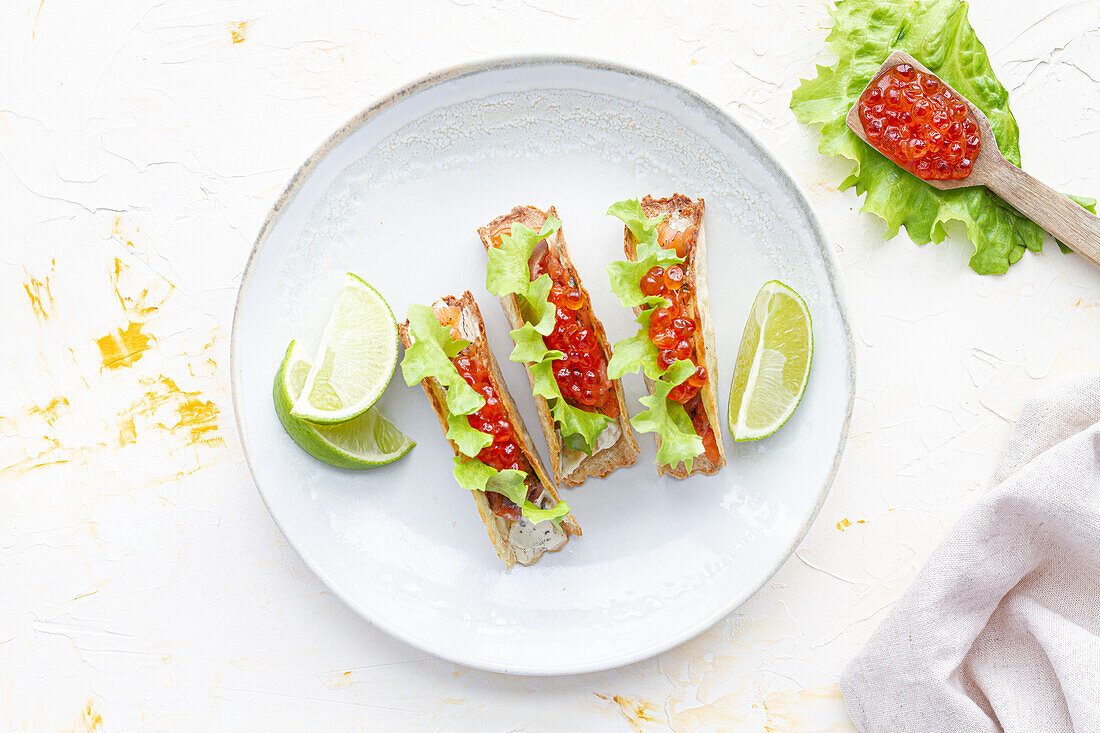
239, 31
123, 347
207, 368
127, 432
636, 712
51, 411
134, 306
92, 720
340, 681
845, 523
183, 413
34, 31
812, 710
38, 292
199, 418
117, 230
42, 459
83, 595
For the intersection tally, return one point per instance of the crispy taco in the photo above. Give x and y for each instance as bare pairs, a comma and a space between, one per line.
561, 343
447, 353
664, 279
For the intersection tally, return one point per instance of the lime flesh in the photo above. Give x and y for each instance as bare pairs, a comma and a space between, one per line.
365, 441
773, 363
355, 360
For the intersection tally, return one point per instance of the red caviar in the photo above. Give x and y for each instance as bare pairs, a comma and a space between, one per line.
582, 373
913, 119
702, 427
504, 452
672, 330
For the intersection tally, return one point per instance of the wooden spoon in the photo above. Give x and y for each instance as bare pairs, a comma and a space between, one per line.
1064, 218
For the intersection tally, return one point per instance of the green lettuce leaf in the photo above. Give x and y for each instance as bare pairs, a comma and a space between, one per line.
644, 229
575, 442
469, 439
579, 428
939, 35
542, 377
430, 356
473, 475
554, 514
679, 441
508, 273
630, 212
530, 345
635, 352
536, 306
626, 276
426, 327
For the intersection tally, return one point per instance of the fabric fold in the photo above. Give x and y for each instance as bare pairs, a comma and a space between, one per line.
1001, 628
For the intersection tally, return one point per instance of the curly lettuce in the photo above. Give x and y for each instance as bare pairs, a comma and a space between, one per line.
679, 441
473, 475
626, 276
939, 35
509, 273
668, 419
470, 440
636, 353
429, 355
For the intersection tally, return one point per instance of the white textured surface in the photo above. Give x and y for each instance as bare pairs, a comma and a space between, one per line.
145, 587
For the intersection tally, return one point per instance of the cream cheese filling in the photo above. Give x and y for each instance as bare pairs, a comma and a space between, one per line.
530, 539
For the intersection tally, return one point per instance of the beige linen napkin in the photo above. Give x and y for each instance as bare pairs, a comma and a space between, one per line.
1001, 629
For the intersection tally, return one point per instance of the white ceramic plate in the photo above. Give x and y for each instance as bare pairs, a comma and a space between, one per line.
396, 196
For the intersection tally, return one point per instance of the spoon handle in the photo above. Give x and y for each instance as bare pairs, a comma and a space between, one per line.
1066, 220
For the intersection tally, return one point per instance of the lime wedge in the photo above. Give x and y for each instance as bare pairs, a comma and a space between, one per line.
773, 363
355, 360
365, 441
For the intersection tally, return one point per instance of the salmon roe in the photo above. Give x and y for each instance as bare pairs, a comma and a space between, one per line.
672, 330
913, 119
702, 427
504, 452
581, 373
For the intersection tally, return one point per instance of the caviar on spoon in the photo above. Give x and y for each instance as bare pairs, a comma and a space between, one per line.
919, 122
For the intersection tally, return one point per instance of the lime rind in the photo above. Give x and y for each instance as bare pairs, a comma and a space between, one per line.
355, 360
366, 441
773, 363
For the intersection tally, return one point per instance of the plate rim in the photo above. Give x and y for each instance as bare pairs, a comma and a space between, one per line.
833, 272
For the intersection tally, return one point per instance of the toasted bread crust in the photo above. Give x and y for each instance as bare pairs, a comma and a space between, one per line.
473, 328
624, 452
695, 272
